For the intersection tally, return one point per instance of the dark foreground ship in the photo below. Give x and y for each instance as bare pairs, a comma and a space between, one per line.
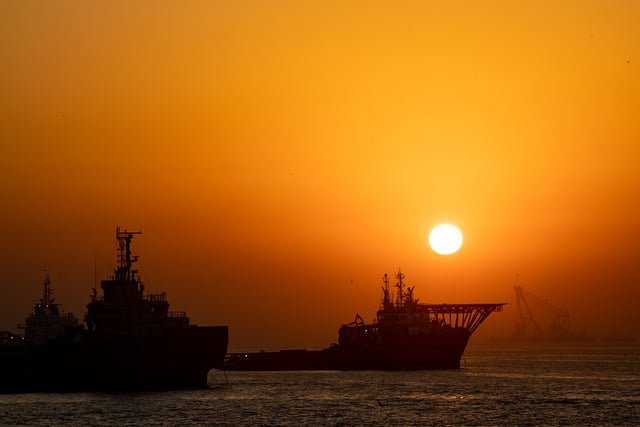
132, 342
406, 335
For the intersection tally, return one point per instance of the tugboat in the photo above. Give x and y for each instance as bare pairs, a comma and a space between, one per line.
132, 342
406, 335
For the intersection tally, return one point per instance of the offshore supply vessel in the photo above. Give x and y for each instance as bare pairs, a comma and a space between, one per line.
131, 342
406, 335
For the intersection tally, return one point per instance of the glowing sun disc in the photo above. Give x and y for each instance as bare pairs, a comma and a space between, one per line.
445, 239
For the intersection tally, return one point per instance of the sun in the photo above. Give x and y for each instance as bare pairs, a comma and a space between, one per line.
445, 239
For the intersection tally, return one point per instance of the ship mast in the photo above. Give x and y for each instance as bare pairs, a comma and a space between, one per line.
47, 293
386, 299
123, 271
400, 286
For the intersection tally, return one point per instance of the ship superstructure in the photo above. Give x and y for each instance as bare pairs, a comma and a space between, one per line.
125, 309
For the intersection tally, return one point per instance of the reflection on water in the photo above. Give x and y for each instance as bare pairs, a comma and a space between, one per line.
497, 386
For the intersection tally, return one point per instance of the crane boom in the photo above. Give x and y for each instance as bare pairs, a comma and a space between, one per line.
527, 326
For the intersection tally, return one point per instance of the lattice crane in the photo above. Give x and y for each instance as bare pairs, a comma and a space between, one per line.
526, 324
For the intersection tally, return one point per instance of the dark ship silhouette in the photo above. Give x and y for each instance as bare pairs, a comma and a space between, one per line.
406, 335
132, 342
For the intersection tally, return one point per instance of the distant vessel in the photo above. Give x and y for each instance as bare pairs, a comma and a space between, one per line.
132, 341
47, 321
528, 327
406, 335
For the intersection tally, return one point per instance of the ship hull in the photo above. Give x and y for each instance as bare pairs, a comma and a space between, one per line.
178, 359
401, 352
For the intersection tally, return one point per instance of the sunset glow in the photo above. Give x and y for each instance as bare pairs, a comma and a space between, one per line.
281, 156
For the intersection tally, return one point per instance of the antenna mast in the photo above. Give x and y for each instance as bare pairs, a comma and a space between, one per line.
123, 271
47, 293
400, 286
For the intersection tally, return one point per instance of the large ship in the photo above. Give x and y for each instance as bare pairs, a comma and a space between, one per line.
131, 342
406, 335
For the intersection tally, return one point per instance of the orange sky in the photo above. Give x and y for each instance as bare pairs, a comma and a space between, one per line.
279, 157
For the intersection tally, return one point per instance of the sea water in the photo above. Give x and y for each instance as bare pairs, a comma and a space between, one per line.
507, 385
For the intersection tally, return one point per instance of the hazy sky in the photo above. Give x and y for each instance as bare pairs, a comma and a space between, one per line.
280, 157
